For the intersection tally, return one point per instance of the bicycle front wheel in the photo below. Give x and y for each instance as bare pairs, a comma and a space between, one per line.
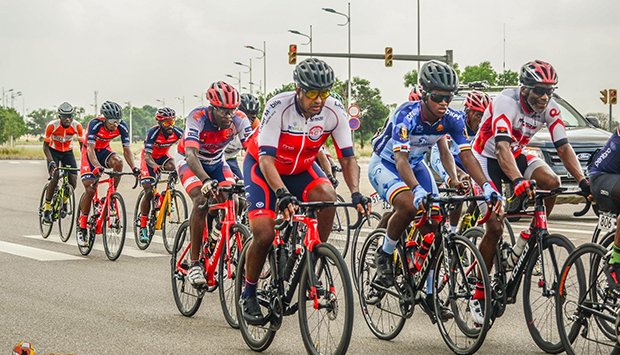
340, 233
114, 227
326, 309
45, 228
539, 290
91, 232
136, 223
228, 272
368, 225
66, 213
175, 212
186, 297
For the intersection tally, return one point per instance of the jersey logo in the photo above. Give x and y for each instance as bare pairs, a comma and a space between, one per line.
315, 133
554, 112
502, 130
439, 127
403, 134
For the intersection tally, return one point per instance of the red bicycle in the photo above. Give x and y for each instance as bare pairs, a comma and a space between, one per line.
108, 217
219, 257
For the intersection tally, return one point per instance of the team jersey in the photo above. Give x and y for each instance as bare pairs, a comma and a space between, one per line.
508, 119
295, 141
101, 137
202, 133
234, 147
158, 144
607, 159
469, 136
60, 138
406, 132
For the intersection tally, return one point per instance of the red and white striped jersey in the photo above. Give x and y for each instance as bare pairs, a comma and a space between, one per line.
60, 138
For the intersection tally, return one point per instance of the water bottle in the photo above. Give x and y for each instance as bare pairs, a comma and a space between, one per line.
410, 249
518, 247
422, 252
282, 259
465, 222
216, 233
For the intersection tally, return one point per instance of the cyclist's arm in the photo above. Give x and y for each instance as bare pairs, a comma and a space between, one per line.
506, 160
128, 157
148, 157
92, 157
404, 169
80, 135
323, 162
46, 151
267, 165
351, 172
447, 159
191, 155
568, 157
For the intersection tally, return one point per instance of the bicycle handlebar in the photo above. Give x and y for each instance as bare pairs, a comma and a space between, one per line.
113, 173
282, 223
230, 189
430, 199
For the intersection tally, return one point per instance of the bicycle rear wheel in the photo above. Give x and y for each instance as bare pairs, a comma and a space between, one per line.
340, 233
332, 309
175, 212
539, 291
226, 277
361, 233
66, 213
586, 308
136, 223
114, 227
186, 297
454, 283
45, 228
257, 338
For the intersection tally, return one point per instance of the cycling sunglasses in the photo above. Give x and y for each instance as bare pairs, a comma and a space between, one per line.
313, 94
63, 116
541, 90
115, 121
438, 98
168, 123
226, 111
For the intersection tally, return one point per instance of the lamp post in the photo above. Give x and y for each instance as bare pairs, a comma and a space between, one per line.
237, 78
250, 68
162, 101
418, 37
264, 58
201, 98
182, 99
13, 96
128, 103
309, 37
348, 17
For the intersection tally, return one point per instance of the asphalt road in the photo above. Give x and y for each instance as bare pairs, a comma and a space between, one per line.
65, 303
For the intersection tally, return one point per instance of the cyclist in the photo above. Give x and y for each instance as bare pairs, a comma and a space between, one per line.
250, 106
415, 94
282, 169
58, 148
510, 121
475, 104
154, 158
208, 130
397, 170
97, 155
605, 182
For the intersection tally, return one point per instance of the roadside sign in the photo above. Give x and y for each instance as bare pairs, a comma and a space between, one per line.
354, 123
354, 110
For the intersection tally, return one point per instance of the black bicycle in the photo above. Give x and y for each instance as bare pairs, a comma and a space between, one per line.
63, 206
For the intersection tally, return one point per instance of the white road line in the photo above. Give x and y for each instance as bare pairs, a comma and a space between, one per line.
128, 250
37, 162
35, 253
13, 162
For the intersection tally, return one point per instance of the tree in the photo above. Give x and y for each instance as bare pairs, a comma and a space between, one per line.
411, 78
374, 111
39, 120
11, 124
603, 119
508, 78
457, 70
483, 71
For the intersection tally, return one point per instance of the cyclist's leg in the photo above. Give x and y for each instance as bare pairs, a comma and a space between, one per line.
606, 192
68, 160
168, 163
545, 178
57, 157
147, 181
115, 162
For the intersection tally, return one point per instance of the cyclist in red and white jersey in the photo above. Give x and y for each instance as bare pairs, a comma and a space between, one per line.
507, 126
280, 166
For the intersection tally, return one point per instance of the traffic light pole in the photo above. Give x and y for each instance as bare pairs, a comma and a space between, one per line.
610, 118
447, 58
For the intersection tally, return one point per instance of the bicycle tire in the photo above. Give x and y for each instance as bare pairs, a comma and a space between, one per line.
181, 287
263, 341
606, 242
238, 234
136, 223
546, 339
326, 257
357, 234
90, 230
508, 230
340, 225
372, 300
115, 220
45, 228
170, 225
447, 272
65, 233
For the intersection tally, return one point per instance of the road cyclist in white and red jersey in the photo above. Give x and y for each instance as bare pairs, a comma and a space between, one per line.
208, 130
280, 166
511, 120
58, 148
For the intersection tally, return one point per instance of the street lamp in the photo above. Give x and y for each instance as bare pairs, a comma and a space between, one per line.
162, 101
238, 78
348, 16
250, 68
128, 103
264, 58
309, 37
201, 98
182, 99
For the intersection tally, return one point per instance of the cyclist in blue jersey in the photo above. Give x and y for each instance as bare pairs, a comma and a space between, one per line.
605, 186
397, 170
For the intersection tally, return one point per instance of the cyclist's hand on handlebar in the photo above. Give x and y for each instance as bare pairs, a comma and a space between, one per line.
208, 187
362, 203
584, 185
157, 169
492, 197
97, 171
51, 167
523, 186
287, 203
333, 180
419, 193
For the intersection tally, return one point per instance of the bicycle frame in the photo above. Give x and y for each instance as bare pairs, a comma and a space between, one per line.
165, 202
97, 202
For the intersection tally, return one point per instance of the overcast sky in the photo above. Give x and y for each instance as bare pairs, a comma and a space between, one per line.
144, 50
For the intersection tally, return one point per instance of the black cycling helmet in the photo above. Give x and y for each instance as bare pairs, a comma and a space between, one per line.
165, 113
249, 104
313, 74
436, 75
111, 110
66, 109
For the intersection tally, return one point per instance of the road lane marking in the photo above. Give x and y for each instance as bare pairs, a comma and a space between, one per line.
127, 249
35, 253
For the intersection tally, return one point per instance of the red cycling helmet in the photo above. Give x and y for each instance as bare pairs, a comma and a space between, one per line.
538, 72
165, 113
223, 95
477, 101
415, 94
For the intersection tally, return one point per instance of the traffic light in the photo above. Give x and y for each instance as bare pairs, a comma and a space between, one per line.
292, 54
613, 96
389, 56
604, 96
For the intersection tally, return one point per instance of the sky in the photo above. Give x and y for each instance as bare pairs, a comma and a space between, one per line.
141, 51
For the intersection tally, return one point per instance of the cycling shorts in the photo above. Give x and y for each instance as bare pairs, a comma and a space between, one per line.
527, 164
220, 172
66, 158
262, 199
606, 191
86, 168
147, 172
